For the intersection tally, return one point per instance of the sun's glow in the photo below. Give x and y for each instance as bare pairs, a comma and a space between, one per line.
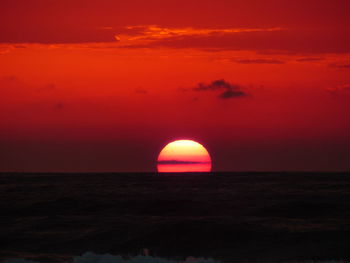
184, 156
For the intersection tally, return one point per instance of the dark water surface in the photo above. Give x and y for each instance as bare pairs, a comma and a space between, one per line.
231, 217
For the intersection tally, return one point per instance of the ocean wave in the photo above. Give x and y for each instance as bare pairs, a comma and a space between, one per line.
90, 257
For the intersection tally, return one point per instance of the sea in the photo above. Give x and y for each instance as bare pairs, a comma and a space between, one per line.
172, 218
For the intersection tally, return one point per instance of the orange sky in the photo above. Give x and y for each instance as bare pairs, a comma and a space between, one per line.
103, 85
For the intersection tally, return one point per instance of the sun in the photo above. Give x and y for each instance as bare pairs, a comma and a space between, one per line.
184, 156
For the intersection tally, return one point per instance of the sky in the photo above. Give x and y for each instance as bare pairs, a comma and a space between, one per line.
103, 86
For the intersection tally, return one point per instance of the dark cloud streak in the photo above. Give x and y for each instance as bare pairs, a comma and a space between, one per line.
228, 90
292, 41
141, 91
165, 162
340, 66
259, 61
59, 106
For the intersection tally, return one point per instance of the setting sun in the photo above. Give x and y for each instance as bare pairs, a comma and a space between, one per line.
184, 156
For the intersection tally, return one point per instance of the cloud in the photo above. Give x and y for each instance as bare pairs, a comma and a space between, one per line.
59, 106
339, 89
141, 91
302, 40
340, 65
275, 40
259, 61
19, 46
10, 78
231, 94
14, 87
14, 90
309, 59
156, 32
47, 87
228, 90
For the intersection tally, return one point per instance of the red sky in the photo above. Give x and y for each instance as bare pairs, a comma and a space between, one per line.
104, 85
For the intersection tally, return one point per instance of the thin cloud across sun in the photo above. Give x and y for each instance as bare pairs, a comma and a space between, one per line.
184, 156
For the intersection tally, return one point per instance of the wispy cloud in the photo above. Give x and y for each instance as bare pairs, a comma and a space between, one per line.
259, 61
48, 87
272, 39
345, 65
277, 40
309, 59
339, 89
154, 32
141, 91
59, 106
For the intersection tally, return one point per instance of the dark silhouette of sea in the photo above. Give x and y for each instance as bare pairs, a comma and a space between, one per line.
230, 217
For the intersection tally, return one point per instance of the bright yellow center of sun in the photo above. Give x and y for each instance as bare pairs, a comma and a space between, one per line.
184, 156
